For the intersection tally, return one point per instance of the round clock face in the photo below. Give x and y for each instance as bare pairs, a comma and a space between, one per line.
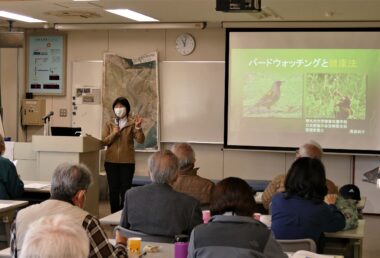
185, 44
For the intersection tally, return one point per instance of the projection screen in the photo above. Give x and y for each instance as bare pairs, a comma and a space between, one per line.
286, 87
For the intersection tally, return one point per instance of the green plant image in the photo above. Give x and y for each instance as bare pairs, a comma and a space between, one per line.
335, 96
277, 95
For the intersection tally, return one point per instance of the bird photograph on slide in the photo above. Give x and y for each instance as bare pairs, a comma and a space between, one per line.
272, 95
335, 96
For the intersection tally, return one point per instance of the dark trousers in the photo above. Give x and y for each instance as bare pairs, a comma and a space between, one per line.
119, 176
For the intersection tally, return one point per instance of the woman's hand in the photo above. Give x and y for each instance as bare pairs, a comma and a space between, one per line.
138, 121
116, 129
330, 199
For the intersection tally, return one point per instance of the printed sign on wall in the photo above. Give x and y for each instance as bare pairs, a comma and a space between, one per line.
46, 65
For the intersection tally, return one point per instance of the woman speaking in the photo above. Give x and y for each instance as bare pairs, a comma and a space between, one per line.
119, 135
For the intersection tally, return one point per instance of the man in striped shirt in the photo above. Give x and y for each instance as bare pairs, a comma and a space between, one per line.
68, 194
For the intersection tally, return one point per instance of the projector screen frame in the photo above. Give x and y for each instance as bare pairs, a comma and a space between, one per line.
288, 148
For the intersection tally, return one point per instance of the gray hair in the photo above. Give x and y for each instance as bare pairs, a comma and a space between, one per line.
163, 166
55, 236
311, 149
185, 155
68, 179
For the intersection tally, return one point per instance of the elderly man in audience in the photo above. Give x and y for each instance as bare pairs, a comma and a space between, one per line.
69, 185
157, 209
188, 181
11, 186
311, 149
55, 236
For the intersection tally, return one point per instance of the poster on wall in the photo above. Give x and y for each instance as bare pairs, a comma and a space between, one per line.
137, 80
46, 64
366, 175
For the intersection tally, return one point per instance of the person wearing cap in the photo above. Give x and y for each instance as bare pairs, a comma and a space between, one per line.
346, 202
119, 135
311, 149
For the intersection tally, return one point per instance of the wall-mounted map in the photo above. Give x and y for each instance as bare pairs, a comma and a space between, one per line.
135, 79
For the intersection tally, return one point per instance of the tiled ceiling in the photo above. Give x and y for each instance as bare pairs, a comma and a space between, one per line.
68, 11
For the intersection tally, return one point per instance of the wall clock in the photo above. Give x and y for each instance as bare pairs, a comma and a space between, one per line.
185, 44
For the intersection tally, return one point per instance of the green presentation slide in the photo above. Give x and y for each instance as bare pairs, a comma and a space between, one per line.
303, 83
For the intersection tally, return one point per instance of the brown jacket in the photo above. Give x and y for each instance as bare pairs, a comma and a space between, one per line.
120, 146
188, 182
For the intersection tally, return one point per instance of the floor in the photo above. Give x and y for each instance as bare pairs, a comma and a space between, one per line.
371, 247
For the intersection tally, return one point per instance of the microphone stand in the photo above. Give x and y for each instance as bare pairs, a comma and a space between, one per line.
47, 130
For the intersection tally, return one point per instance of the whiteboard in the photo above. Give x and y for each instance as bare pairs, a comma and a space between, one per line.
192, 101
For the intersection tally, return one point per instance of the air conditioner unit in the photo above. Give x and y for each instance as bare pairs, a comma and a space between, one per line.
238, 5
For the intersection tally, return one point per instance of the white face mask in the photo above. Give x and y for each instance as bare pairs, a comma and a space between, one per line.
120, 112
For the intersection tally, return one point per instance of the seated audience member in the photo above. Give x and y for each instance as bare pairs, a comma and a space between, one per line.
54, 237
157, 209
312, 150
188, 181
349, 196
69, 185
11, 186
300, 212
232, 231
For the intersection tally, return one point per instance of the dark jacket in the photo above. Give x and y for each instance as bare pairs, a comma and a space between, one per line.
157, 209
296, 218
228, 236
11, 186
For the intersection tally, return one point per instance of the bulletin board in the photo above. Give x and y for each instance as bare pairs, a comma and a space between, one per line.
46, 61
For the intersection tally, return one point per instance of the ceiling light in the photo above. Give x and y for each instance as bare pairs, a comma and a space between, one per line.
132, 15
18, 17
129, 26
85, 0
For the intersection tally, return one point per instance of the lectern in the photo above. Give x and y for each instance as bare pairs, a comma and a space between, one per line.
54, 150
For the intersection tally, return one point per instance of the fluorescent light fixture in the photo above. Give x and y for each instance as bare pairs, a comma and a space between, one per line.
85, 0
18, 17
132, 15
129, 26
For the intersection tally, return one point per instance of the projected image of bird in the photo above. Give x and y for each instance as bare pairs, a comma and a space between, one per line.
343, 108
271, 97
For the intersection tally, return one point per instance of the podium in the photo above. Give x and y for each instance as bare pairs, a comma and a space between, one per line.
54, 150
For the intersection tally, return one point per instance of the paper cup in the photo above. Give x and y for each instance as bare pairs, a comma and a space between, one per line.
206, 216
134, 245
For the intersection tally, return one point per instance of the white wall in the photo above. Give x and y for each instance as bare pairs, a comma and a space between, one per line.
215, 162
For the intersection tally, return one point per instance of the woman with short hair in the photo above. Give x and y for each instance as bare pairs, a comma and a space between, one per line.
232, 231
119, 135
301, 212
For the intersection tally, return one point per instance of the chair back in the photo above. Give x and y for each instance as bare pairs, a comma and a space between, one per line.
293, 245
144, 237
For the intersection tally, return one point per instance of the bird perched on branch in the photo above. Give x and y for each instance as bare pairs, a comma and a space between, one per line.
271, 97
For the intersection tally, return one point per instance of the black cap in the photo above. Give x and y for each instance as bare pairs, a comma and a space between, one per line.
350, 192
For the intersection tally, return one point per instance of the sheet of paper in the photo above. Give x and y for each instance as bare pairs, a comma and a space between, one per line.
36, 185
